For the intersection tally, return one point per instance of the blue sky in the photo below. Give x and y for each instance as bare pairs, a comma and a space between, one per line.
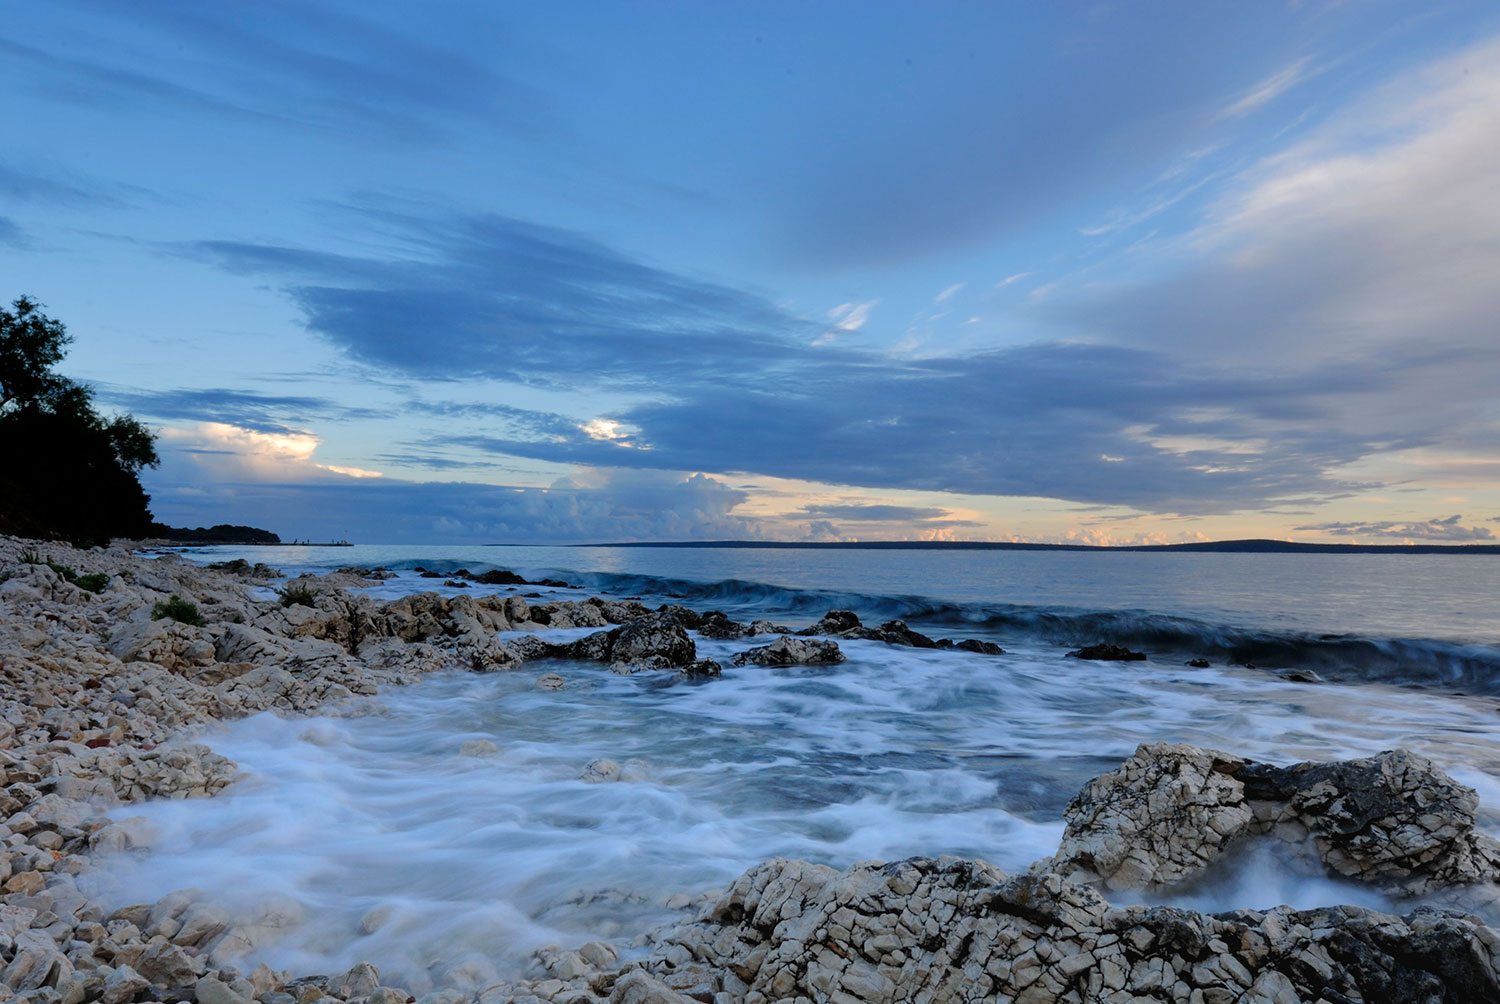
1101, 272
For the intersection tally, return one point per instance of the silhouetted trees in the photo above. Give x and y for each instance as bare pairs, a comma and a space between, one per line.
65, 470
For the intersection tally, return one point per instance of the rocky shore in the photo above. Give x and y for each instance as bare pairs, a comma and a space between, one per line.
111, 662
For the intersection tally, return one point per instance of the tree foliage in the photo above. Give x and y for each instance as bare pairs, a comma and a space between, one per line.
67, 471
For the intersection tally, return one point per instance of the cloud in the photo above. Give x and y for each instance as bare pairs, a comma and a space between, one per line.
12, 234
282, 63
62, 188
1271, 88
1448, 528
925, 518
863, 511
1364, 255
268, 413
215, 452
719, 380
968, 149
599, 507
496, 297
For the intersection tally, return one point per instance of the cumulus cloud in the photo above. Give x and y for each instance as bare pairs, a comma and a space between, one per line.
1447, 529
221, 453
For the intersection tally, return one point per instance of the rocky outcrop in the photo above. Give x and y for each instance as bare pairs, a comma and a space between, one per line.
789, 651
846, 624
97, 698
1170, 811
1106, 652
949, 930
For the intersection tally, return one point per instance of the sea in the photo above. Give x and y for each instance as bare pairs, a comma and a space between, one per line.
376, 838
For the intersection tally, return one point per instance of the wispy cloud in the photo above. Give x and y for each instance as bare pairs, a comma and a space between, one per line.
1270, 88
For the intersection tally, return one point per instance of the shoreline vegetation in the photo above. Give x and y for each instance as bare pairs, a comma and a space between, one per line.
113, 665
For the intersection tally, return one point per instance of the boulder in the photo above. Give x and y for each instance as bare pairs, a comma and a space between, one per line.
956, 930
657, 637
1393, 820
718, 626
790, 651
1105, 652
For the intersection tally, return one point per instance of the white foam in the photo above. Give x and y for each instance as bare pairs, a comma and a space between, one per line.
896, 752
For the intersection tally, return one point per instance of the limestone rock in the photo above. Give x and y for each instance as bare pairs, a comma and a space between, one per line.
1393, 820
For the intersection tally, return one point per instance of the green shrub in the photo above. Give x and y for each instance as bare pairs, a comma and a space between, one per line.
298, 594
68, 574
178, 609
31, 557
93, 582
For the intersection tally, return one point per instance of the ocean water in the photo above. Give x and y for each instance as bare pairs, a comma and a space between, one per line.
393, 846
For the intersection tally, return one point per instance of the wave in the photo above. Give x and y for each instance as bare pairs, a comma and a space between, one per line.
1425, 662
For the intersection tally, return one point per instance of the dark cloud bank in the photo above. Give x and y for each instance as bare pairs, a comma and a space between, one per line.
728, 381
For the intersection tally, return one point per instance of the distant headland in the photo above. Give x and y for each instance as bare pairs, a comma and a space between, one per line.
226, 533
1257, 546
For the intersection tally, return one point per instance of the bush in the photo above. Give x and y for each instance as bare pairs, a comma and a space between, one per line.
298, 595
177, 609
93, 582
31, 557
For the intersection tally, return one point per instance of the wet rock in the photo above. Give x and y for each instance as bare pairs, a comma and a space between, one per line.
980, 646
790, 651
716, 625
689, 619
499, 577
360, 981
703, 669
1105, 652
833, 622
657, 636
550, 681
600, 771
478, 747
1197, 663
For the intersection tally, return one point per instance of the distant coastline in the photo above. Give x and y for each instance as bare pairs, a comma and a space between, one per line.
1257, 546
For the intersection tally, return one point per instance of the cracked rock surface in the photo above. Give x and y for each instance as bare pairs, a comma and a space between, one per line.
1393, 820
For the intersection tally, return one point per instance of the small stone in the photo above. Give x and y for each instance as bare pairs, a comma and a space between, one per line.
123, 984
600, 771
478, 747
210, 990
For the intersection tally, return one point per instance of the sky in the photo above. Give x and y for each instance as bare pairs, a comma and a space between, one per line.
467, 272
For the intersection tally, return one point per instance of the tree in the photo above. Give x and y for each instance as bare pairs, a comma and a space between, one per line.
31, 343
67, 471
